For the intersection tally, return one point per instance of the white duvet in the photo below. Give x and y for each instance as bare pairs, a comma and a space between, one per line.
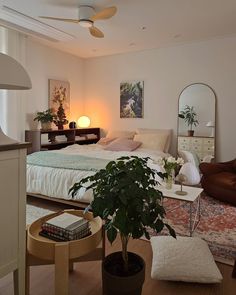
55, 182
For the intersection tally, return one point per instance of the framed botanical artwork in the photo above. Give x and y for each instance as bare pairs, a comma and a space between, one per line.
59, 96
131, 99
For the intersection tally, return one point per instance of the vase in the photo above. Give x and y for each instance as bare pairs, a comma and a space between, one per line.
190, 132
46, 125
169, 182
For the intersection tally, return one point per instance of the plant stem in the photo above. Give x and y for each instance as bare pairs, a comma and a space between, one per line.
124, 242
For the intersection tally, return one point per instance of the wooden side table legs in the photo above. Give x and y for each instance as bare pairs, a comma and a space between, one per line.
61, 268
19, 282
71, 266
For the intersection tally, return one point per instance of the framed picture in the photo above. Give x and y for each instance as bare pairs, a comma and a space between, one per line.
59, 95
131, 99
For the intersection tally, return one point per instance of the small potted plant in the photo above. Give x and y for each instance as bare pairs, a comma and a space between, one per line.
127, 198
60, 118
45, 118
189, 115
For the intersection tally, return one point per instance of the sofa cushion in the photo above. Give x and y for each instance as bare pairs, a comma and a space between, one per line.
223, 179
234, 165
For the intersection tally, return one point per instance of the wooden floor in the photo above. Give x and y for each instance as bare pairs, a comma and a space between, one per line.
86, 278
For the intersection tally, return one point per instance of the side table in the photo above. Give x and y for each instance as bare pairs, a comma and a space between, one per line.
42, 251
193, 194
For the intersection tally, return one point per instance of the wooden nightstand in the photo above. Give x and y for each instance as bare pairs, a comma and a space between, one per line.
49, 139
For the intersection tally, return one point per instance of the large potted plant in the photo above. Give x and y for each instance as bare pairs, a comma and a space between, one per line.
127, 198
45, 118
190, 118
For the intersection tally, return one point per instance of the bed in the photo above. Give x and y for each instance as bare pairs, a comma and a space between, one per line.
51, 177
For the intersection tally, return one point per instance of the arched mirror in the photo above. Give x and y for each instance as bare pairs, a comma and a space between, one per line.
196, 122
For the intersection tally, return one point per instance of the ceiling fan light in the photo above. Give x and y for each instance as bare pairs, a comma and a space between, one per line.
86, 23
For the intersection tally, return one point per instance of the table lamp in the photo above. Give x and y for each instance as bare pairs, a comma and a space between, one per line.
13, 77
84, 122
211, 125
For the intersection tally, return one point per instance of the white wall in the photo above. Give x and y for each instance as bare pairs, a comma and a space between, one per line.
165, 73
45, 63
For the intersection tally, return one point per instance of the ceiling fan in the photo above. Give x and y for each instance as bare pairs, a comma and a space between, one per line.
87, 17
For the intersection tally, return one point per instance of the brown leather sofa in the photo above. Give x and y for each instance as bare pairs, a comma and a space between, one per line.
219, 180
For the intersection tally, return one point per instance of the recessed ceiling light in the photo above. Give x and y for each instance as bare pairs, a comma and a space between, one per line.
144, 28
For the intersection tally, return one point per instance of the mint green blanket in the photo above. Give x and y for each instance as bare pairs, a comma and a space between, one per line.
58, 160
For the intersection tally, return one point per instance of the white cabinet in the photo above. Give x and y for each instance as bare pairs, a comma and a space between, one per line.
202, 146
12, 213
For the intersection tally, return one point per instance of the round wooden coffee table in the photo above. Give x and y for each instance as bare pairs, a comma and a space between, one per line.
41, 250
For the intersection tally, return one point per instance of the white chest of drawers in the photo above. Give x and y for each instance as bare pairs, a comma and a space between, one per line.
12, 213
202, 146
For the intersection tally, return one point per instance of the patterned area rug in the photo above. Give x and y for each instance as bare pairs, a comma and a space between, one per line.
217, 226
33, 213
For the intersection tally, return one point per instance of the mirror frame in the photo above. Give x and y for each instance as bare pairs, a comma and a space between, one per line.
215, 104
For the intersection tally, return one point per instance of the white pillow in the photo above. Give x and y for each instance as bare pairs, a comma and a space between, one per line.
191, 157
105, 140
191, 172
120, 134
123, 144
184, 259
152, 141
158, 131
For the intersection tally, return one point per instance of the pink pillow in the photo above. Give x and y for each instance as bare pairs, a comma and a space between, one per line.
123, 144
105, 140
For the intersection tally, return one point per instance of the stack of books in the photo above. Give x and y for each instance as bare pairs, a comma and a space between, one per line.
66, 227
61, 138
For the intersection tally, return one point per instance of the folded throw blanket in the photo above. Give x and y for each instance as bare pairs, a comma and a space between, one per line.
58, 160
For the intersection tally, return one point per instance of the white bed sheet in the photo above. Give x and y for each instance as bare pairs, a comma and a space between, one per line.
55, 182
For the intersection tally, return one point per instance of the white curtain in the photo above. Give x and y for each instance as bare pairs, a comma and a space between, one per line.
3, 93
12, 103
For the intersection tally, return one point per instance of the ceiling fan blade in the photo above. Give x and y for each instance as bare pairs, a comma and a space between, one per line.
95, 32
105, 13
69, 20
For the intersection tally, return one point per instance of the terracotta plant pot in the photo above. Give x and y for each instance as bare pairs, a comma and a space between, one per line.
46, 125
190, 132
115, 282
60, 126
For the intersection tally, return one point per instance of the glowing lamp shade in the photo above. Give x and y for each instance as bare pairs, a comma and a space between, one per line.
14, 77
12, 74
84, 122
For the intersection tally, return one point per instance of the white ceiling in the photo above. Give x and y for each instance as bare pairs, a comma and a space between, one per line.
138, 24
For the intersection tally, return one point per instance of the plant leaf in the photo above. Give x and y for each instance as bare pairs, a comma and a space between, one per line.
171, 230
111, 234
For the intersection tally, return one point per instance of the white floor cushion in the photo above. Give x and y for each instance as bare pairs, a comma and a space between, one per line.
191, 172
184, 259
